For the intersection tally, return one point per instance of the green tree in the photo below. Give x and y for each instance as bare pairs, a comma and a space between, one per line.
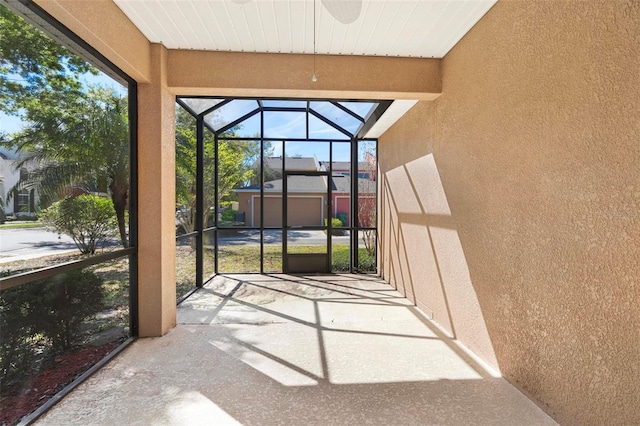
235, 160
86, 147
35, 70
185, 169
234, 166
73, 137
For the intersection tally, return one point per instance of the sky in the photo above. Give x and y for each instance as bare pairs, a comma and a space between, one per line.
284, 125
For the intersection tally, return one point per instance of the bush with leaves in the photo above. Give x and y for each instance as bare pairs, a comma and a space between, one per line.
63, 302
336, 224
340, 260
88, 219
44, 314
16, 353
367, 261
229, 215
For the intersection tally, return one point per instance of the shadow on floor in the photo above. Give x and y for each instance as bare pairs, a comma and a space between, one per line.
297, 350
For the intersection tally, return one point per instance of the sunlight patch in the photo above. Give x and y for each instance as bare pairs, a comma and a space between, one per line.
193, 408
276, 370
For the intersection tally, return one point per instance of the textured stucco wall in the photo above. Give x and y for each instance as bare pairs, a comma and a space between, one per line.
156, 201
511, 204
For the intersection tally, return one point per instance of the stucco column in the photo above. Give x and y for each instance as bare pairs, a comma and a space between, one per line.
156, 198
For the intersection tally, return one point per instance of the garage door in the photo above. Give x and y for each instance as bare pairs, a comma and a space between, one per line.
302, 210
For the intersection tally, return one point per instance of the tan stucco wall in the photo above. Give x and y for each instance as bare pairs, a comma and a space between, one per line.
156, 201
511, 204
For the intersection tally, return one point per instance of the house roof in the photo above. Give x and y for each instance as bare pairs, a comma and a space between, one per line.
346, 165
340, 184
292, 163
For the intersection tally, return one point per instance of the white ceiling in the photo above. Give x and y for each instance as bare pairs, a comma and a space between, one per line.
407, 28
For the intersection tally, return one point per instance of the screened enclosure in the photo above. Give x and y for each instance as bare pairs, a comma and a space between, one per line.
274, 185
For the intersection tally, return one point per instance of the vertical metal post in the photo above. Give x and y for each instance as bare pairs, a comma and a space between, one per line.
375, 174
261, 180
330, 208
285, 263
215, 199
307, 120
353, 230
133, 207
200, 213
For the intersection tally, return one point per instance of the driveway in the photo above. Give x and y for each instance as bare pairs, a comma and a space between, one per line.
275, 237
29, 243
243, 237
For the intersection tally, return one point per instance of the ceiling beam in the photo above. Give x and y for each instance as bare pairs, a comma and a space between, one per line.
192, 73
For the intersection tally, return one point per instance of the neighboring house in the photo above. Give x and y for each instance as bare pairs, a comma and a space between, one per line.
273, 167
366, 169
292, 163
22, 203
306, 201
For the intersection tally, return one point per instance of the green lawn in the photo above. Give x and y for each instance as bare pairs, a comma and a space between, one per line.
246, 259
233, 259
9, 225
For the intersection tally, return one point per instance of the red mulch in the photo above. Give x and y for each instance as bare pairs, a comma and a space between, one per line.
41, 386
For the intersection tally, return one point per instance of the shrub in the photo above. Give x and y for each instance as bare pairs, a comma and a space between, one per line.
366, 260
48, 310
229, 215
63, 302
336, 224
88, 219
340, 259
16, 353
27, 217
369, 240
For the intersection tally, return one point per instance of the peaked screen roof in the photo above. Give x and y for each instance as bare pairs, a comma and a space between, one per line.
301, 119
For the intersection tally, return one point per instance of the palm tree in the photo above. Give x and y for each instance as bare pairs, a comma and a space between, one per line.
86, 148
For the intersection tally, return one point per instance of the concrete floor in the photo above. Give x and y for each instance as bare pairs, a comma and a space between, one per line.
277, 349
